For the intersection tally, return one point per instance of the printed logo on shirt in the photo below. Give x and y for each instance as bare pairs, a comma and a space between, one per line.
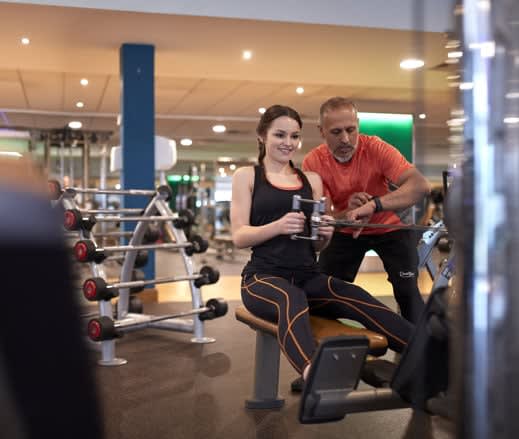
406, 274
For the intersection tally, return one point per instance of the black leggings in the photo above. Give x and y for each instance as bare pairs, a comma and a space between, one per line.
289, 303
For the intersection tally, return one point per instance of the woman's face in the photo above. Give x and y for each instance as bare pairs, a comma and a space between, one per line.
282, 139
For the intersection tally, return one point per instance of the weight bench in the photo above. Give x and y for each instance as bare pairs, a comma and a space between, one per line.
266, 362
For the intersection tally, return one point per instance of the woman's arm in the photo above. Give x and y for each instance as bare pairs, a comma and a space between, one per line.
243, 234
325, 232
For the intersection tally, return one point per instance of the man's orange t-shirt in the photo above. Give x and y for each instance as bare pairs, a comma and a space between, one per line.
374, 165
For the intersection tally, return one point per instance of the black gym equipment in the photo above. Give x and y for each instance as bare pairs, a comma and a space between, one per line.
420, 380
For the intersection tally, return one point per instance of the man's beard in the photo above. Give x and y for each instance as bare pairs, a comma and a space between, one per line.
342, 158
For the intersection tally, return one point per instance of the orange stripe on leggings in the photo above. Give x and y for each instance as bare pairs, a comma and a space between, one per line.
246, 289
276, 288
345, 302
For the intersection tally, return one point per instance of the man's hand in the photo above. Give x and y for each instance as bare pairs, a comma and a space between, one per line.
361, 215
358, 199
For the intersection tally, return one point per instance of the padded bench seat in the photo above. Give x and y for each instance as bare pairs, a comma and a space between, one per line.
266, 362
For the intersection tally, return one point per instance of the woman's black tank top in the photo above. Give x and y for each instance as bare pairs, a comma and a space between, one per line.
281, 255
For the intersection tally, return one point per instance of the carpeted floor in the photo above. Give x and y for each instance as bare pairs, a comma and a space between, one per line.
172, 388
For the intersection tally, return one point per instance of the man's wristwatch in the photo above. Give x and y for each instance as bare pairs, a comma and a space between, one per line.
378, 204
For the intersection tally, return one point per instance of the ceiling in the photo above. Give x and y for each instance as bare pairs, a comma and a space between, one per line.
201, 78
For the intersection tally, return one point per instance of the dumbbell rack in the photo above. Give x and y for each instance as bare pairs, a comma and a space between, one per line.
156, 208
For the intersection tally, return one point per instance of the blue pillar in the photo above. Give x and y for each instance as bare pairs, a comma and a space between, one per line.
138, 126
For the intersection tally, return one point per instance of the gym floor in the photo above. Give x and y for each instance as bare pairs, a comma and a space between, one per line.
172, 388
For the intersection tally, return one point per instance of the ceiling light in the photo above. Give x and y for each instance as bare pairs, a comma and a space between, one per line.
484, 5
75, 124
300, 90
511, 120
80, 104
186, 142
466, 86
219, 128
512, 95
83, 82
246, 54
456, 121
25, 41
232, 166
452, 44
451, 77
262, 110
422, 116
455, 54
7, 133
411, 64
11, 154
452, 61
118, 120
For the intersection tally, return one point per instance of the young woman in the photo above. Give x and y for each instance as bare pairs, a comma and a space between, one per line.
281, 282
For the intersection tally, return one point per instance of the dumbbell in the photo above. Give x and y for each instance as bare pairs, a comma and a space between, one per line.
199, 245
186, 218
104, 328
86, 251
96, 288
151, 235
73, 219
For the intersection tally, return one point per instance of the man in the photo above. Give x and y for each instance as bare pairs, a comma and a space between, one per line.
357, 171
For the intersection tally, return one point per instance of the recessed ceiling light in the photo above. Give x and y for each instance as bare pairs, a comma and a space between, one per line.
11, 154
25, 41
455, 54
422, 116
219, 128
80, 104
246, 54
186, 142
411, 64
232, 166
511, 120
262, 110
300, 90
466, 86
75, 124
512, 95
83, 82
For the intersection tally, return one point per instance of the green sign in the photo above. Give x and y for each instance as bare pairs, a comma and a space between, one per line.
396, 129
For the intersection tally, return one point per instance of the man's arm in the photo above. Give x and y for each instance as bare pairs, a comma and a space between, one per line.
413, 186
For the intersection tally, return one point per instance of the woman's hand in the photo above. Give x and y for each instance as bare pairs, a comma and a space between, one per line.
291, 223
326, 228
